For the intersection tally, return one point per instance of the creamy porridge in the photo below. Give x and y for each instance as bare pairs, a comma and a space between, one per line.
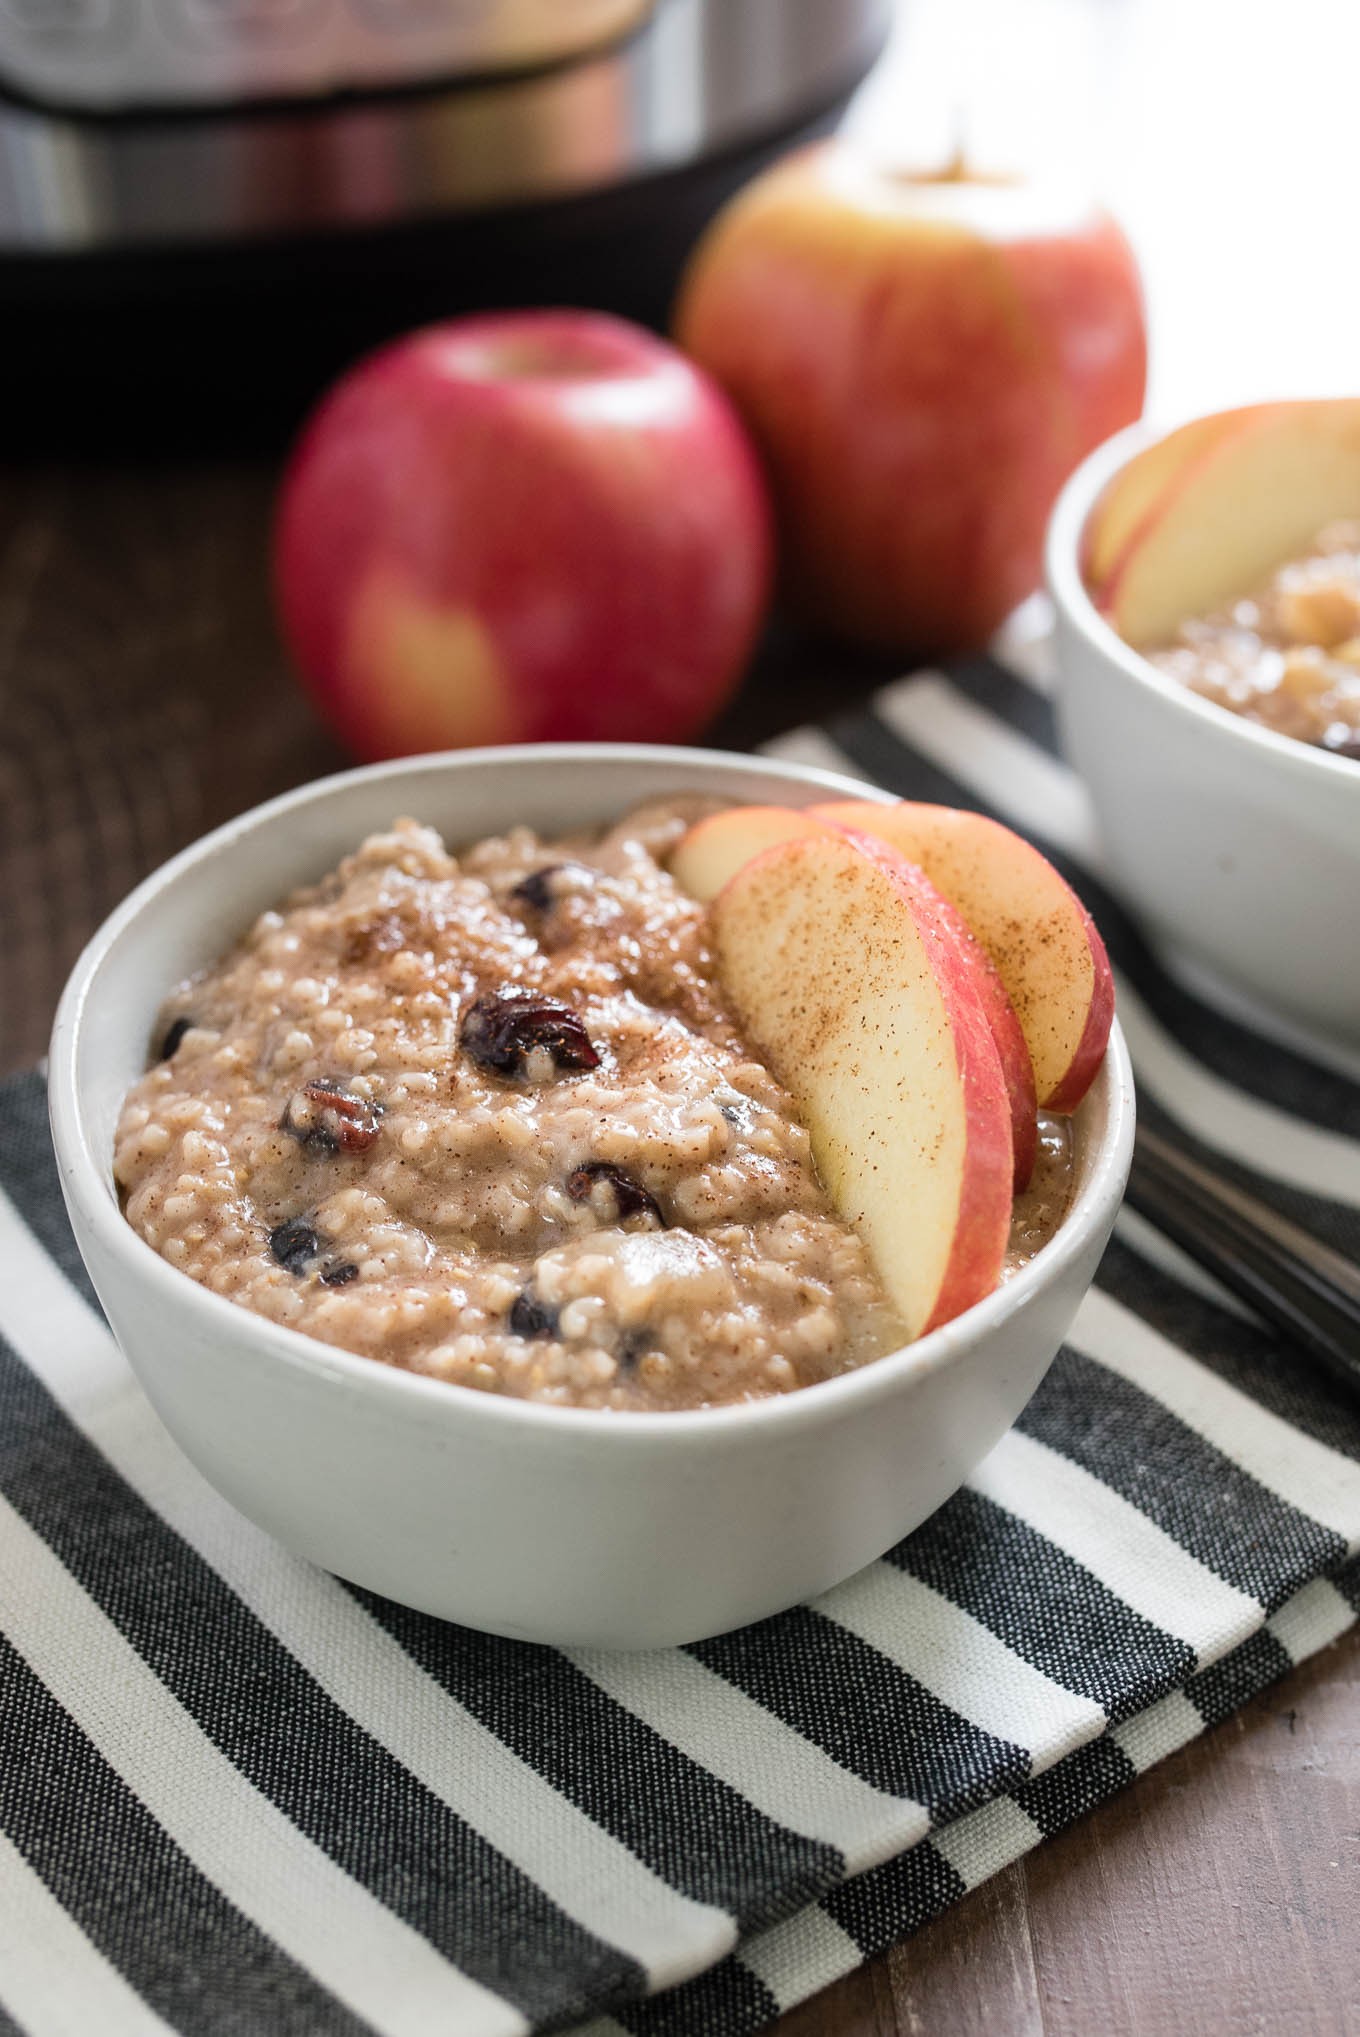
1288, 654
487, 1117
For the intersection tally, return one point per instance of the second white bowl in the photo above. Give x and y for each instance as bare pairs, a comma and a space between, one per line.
1239, 848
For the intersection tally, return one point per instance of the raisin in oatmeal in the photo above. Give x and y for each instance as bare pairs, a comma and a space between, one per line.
488, 1118
1288, 654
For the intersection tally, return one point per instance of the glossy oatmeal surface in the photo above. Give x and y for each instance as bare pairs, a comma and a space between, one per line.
487, 1117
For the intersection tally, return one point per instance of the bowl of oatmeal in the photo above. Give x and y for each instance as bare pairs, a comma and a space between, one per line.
459, 1237
1221, 747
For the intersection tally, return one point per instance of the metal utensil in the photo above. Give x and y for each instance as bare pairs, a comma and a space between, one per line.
1305, 1288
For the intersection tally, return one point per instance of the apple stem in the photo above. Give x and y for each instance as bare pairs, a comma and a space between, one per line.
955, 168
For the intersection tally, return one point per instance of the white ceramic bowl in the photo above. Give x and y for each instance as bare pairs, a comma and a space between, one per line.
562, 1525
1237, 847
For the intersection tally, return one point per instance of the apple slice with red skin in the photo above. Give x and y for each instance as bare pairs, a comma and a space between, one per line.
715, 848
843, 975
1038, 933
1251, 488
1137, 492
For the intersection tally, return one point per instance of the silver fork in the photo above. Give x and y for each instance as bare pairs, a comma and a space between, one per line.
1305, 1288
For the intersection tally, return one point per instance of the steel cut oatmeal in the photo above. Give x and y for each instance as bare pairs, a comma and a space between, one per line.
1286, 655
487, 1117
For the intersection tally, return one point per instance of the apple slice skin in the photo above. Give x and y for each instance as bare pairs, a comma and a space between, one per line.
715, 848
1009, 1040
1089, 1051
830, 947
1047, 951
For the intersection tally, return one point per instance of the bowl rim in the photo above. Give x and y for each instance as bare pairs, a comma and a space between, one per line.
395, 1392
1073, 601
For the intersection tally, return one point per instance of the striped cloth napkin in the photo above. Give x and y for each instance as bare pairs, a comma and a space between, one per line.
237, 1795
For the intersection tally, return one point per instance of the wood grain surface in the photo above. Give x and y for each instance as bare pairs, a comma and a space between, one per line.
144, 698
1214, 1898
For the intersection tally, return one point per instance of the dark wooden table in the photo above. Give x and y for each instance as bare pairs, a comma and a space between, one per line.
144, 698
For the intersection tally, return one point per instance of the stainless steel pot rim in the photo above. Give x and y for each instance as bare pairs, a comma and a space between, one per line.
699, 77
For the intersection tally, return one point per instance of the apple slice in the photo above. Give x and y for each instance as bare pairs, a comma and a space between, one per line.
832, 951
1017, 1070
1038, 933
714, 850
1137, 490
1260, 491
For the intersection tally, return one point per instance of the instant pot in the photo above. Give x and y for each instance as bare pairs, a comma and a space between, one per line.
208, 206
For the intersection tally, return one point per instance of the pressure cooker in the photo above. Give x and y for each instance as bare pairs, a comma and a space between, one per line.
208, 206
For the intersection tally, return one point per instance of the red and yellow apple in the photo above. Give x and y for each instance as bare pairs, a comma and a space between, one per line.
715, 848
1205, 513
538, 525
832, 950
922, 360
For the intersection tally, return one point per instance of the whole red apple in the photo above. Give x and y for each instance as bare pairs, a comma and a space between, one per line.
922, 361
540, 525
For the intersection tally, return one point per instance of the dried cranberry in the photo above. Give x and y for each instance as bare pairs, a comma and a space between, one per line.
539, 891
340, 1273
503, 1028
631, 1348
330, 1120
294, 1245
630, 1198
531, 1317
171, 1043
535, 889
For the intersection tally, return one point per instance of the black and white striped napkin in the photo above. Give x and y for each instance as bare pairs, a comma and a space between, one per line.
237, 1796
